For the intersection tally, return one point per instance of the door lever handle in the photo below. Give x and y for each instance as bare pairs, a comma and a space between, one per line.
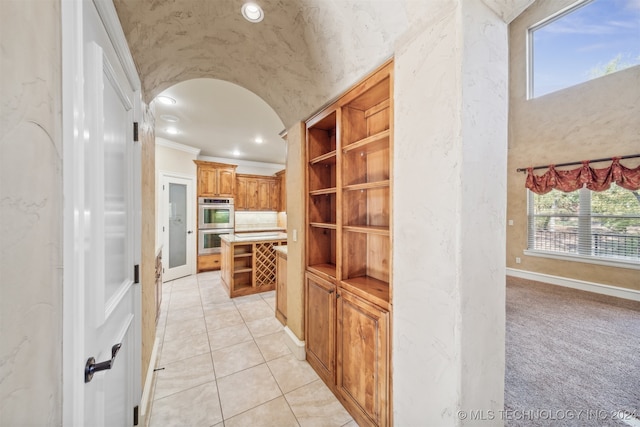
92, 367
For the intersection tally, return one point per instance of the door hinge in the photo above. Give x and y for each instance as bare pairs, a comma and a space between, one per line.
135, 131
135, 415
136, 273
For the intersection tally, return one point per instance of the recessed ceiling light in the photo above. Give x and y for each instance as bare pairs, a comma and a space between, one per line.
172, 131
258, 140
236, 152
166, 100
252, 12
169, 118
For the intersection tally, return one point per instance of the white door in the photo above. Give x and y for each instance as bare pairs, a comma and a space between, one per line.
178, 228
102, 181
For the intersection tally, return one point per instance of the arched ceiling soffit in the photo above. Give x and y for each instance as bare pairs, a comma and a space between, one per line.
303, 54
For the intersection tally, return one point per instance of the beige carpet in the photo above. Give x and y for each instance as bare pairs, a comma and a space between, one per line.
572, 357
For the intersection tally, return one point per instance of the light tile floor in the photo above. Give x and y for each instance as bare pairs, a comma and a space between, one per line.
223, 362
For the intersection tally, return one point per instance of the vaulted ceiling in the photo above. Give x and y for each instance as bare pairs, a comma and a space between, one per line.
301, 55
304, 52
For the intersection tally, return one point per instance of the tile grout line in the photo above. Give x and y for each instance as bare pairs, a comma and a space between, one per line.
210, 351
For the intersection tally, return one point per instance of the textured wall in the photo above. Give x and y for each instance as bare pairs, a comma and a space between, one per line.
148, 239
296, 155
595, 119
30, 214
449, 210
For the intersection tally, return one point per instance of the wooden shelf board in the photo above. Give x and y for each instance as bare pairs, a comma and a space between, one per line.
371, 143
368, 229
327, 158
323, 191
242, 255
326, 269
373, 290
242, 270
366, 185
329, 225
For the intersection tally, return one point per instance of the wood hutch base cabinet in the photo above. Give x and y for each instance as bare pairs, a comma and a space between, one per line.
348, 248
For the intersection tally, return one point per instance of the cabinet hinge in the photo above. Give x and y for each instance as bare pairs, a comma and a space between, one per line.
136, 273
135, 415
135, 131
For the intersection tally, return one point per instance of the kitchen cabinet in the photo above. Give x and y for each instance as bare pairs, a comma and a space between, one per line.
216, 179
281, 284
362, 365
249, 264
257, 193
348, 246
282, 181
320, 326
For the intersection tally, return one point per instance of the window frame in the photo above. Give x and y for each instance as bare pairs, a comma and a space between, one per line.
576, 257
529, 40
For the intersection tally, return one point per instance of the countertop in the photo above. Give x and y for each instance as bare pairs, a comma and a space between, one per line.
282, 249
253, 237
258, 230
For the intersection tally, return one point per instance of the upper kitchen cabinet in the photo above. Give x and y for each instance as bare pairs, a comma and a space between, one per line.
216, 179
257, 193
282, 181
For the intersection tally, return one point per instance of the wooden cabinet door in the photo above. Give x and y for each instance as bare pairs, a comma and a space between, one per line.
263, 195
252, 194
363, 357
320, 321
226, 182
274, 195
241, 194
207, 182
283, 192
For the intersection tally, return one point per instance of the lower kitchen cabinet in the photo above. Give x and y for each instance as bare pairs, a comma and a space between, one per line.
320, 326
362, 363
347, 344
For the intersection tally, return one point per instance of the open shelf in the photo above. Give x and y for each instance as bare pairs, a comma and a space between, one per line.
330, 190
365, 254
323, 269
321, 136
322, 176
367, 207
327, 225
367, 185
242, 270
242, 279
369, 288
370, 144
322, 208
367, 229
327, 158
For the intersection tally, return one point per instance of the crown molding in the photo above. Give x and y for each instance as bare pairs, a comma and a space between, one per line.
177, 146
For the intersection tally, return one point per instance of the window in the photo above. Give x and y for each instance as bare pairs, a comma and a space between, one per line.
592, 225
583, 42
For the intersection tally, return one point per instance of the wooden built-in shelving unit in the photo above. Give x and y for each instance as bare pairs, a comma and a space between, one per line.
348, 246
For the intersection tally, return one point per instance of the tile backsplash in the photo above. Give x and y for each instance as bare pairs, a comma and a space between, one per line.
247, 220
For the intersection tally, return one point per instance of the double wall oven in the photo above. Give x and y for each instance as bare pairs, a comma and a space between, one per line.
215, 218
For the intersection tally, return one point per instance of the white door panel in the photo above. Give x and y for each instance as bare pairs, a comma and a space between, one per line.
178, 226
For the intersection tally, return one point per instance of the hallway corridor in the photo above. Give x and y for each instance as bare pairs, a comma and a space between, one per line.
223, 362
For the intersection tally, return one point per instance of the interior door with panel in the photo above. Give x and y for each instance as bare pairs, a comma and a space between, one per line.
178, 227
102, 314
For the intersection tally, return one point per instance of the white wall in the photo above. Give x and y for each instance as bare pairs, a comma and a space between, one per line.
449, 199
30, 214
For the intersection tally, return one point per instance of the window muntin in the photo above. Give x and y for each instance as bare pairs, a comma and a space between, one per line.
583, 42
601, 225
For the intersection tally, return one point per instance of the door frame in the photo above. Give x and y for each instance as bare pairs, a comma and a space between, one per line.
164, 178
73, 234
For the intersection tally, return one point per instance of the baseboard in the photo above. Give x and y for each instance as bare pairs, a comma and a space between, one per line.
598, 288
148, 383
295, 345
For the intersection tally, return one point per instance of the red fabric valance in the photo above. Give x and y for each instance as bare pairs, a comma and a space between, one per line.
593, 179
